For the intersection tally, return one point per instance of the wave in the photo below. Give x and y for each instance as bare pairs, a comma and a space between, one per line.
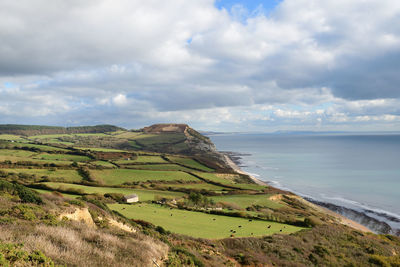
253, 174
377, 220
374, 224
365, 208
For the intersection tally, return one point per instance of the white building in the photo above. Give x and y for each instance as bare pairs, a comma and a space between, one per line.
131, 198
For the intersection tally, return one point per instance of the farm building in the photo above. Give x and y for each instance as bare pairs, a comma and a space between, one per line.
131, 198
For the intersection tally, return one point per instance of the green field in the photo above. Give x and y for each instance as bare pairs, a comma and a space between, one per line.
11, 137
59, 175
65, 157
144, 195
100, 149
199, 224
198, 186
40, 147
42, 191
120, 176
245, 201
159, 139
126, 135
159, 167
49, 136
217, 178
191, 163
143, 159
16, 153
103, 164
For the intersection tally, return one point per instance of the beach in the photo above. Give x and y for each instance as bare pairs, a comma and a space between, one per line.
339, 218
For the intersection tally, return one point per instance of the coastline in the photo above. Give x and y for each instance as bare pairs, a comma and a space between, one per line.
237, 169
340, 218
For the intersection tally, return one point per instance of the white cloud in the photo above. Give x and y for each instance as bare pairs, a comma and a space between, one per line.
163, 58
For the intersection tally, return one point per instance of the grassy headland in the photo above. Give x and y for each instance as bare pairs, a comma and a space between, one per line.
194, 209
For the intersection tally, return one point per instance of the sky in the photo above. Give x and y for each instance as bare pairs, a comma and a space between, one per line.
218, 65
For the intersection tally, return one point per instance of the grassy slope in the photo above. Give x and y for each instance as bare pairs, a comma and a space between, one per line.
144, 195
188, 162
63, 175
199, 224
245, 201
120, 176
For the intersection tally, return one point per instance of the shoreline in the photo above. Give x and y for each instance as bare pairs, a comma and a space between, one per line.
341, 219
237, 169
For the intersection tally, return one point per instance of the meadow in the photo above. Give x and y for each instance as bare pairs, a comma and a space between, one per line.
142, 159
144, 195
120, 176
59, 175
190, 163
244, 201
159, 167
202, 225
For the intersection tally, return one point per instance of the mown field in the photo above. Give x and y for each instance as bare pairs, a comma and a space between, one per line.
198, 224
159, 167
144, 195
191, 163
174, 178
244, 201
142, 159
120, 176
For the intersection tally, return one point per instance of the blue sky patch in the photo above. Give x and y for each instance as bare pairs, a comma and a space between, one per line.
251, 5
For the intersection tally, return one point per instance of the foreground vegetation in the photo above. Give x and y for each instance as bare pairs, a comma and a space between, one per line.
193, 210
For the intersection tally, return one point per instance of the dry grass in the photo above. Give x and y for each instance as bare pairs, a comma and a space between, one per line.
79, 245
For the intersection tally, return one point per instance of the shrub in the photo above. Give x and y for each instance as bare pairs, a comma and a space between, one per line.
25, 194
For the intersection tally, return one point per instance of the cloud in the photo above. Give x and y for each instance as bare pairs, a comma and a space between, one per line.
310, 62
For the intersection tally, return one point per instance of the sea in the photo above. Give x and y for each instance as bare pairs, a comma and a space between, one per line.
357, 175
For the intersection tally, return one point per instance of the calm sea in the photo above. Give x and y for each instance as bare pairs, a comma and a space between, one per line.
361, 172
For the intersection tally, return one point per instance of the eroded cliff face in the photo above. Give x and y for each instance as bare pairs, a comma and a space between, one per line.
194, 144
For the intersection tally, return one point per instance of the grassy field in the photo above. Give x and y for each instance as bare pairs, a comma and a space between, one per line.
120, 176
40, 147
11, 137
245, 201
198, 186
100, 149
188, 162
16, 153
127, 135
60, 175
42, 191
48, 136
144, 195
159, 167
199, 224
103, 164
65, 157
159, 139
217, 178
143, 159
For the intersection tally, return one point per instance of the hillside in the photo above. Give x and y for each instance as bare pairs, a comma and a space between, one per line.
62, 195
29, 130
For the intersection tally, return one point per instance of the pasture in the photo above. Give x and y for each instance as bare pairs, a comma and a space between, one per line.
244, 201
159, 167
142, 159
190, 163
144, 195
201, 225
120, 176
59, 175
64, 157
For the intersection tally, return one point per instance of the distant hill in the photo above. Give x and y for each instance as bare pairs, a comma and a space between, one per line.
28, 130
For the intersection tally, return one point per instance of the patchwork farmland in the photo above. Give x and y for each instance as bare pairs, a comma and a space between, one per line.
181, 193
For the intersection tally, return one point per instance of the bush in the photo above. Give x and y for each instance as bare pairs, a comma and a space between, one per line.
312, 221
25, 194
